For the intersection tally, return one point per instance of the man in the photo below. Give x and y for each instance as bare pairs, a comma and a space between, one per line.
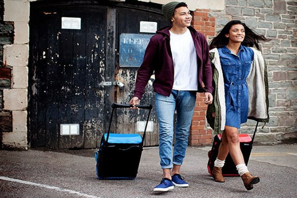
178, 56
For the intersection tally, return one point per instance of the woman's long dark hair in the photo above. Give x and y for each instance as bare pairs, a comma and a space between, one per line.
251, 38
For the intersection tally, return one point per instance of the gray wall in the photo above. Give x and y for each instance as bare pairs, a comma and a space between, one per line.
276, 19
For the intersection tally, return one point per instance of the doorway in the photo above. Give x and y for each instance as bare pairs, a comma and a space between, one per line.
74, 49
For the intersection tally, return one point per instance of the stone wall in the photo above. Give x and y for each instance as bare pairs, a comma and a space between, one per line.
14, 73
276, 19
6, 37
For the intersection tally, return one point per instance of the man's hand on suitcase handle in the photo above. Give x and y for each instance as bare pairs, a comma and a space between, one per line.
134, 101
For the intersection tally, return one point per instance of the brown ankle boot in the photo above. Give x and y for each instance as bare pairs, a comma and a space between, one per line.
249, 180
217, 174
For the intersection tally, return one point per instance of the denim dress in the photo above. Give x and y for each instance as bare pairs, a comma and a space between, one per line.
235, 70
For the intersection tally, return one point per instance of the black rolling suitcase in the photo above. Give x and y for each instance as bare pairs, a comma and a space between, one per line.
229, 169
119, 154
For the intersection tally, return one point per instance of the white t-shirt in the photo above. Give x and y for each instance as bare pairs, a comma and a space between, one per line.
184, 61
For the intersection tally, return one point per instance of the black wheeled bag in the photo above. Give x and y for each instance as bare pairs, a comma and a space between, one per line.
229, 169
119, 154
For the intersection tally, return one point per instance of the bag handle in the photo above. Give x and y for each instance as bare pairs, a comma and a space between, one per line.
115, 106
255, 132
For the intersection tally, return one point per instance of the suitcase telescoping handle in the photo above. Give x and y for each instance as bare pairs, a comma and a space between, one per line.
116, 105
255, 132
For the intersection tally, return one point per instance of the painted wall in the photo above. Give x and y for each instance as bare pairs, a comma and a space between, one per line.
197, 4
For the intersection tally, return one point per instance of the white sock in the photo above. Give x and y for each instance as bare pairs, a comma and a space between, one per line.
241, 169
219, 163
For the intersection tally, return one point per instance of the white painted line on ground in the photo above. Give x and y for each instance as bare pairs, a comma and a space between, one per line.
292, 153
268, 154
47, 186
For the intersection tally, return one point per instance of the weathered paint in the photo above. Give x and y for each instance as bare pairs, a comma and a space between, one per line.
67, 68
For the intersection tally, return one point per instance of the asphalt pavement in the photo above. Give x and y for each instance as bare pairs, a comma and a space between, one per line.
71, 173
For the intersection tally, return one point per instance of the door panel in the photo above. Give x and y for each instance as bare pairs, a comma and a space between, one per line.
129, 22
67, 68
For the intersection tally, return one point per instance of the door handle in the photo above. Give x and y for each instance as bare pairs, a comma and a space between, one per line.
112, 83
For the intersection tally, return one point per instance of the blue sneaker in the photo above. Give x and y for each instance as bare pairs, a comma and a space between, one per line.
164, 186
178, 181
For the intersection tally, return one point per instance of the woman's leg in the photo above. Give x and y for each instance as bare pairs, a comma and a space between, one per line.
220, 161
237, 157
234, 145
224, 148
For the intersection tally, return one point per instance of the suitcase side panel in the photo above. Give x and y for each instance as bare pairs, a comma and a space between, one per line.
119, 154
229, 168
212, 154
119, 161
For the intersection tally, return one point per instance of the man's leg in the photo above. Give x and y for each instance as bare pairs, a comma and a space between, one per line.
165, 107
185, 104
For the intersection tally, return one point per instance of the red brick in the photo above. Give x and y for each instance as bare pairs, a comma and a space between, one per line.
194, 132
193, 142
202, 14
199, 127
198, 118
197, 20
208, 23
5, 73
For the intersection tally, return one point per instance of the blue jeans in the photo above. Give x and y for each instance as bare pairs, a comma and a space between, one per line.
183, 102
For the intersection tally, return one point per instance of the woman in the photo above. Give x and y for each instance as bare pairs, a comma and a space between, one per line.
241, 90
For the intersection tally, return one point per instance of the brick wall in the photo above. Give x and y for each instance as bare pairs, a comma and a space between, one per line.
203, 22
200, 135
